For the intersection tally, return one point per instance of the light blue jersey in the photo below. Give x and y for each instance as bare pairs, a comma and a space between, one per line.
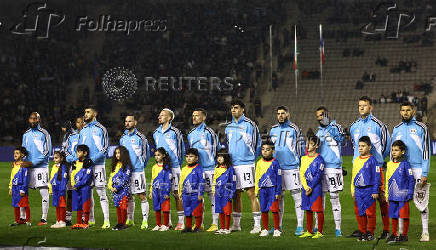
331, 138
205, 141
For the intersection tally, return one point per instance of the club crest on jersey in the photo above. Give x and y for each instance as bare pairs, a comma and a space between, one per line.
413, 131
369, 129
133, 141
167, 135
94, 131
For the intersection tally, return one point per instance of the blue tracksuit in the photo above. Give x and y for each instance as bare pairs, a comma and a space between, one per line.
160, 187
331, 137
365, 182
399, 188
224, 187
268, 184
81, 180
191, 186
19, 182
377, 132
289, 144
417, 139
243, 140
95, 136
58, 187
37, 142
120, 180
311, 172
172, 141
69, 146
206, 142
138, 148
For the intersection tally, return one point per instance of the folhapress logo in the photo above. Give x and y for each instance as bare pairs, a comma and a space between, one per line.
38, 20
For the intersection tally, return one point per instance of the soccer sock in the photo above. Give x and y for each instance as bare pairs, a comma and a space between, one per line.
45, 200
256, 217
222, 220
119, 219
123, 216
68, 215
320, 216
17, 214
309, 221
237, 219
424, 220
336, 207
180, 215
362, 221
91, 209
198, 220
57, 214
405, 226
395, 226
62, 214
103, 202
228, 222
356, 212
265, 220
400, 225
23, 213
282, 208
212, 209
27, 209
145, 209
371, 213
158, 218
298, 211
384, 211
170, 218
189, 221
166, 216
86, 218
276, 221
131, 208
79, 217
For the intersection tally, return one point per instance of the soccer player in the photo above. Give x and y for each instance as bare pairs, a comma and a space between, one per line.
69, 143
204, 139
331, 136
37, 142
289, 147
171, 139
365, 183
191, 187
58, 187
399, 191
369, 125
81, 181
243, 140
95, 136
138, 148
119, 184
18, 187
417, 139
268, 186
311, 174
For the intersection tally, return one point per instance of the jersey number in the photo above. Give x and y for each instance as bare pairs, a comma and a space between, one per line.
280, 138
333, 181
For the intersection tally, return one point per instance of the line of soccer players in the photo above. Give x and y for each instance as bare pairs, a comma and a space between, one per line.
309, 172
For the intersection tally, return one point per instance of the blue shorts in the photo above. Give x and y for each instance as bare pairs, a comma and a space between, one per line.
399, 209
267, 200
159, 202
191, 205
81, 199
364, 199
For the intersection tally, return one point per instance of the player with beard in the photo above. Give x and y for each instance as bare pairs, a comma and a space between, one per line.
37, 142
95, 136
417, 139
171, 139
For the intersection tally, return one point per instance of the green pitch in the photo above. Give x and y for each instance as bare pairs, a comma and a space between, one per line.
135, 238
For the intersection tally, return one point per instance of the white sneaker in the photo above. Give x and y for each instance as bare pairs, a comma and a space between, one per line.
219, 231
256, 230
62, 224
263, 233
56, 225
235, 228
277, 233
226, 231
425, 237
164, 228
156, 228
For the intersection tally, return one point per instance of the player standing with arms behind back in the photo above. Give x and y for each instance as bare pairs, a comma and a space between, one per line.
94, 135
243, 140
417, 139
289, 146
368, 125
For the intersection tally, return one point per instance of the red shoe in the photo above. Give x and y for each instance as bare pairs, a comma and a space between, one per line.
76, 226
84, 226
42, 222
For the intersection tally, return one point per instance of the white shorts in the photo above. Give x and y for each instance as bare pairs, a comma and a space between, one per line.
99, 176
38, 177
244, 176
333, 180
208, 178
291, 179
137, 183
175, 178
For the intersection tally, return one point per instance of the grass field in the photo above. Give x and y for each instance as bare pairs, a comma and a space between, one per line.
135, 238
